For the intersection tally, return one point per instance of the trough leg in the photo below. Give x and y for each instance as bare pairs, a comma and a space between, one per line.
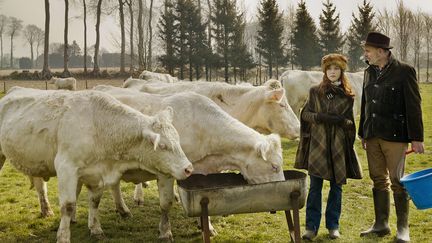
204, 220
294, 227
295, 202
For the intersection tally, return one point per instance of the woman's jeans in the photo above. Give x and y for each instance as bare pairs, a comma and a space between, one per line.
314, 202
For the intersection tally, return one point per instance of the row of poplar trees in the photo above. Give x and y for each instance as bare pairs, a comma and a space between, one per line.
194, 45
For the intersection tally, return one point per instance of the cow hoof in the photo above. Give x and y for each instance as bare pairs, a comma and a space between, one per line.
73, 221
98, 236
213, 232
125, 214
167, 237
47, 214
139, 201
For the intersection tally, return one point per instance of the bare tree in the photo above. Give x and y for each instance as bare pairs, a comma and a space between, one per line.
131, 35
289, 30
402, 23
123, 36
3, 23
85, 35
209, 41
416, 32
150, 35
31, 34
96, 49
15, 25
141, 63
46, 73
428, 36
40, 36
384, 22
66, 72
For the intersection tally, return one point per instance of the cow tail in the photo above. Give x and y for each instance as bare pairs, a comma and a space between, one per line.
2, 159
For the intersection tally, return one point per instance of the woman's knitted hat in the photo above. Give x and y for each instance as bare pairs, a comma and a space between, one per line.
336, 59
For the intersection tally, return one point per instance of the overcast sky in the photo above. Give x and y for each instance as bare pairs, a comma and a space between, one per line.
32, 12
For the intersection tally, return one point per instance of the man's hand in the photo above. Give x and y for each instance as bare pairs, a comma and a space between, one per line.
363, 143
417, 147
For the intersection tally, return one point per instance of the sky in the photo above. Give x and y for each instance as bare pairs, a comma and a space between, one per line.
32, 12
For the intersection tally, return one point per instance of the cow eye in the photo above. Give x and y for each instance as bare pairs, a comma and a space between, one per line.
282, 105
275, 168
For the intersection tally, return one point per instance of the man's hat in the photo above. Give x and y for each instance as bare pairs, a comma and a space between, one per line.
378, 40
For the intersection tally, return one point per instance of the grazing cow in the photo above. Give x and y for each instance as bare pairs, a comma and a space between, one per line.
163, 77
211, 139
297, 84
85, 137
64, 83
264, 108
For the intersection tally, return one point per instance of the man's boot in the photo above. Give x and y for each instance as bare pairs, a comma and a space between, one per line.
382, 209
402, 211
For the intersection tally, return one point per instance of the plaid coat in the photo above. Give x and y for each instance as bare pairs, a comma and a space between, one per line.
327, 151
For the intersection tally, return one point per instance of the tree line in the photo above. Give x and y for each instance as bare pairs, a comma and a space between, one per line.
195, 39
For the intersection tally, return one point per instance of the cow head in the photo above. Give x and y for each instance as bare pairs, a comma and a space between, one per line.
264, 163
278, 115
168, 157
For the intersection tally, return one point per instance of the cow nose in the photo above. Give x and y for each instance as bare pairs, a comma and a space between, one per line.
188, 170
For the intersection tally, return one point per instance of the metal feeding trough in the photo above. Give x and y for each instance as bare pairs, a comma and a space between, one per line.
229, 193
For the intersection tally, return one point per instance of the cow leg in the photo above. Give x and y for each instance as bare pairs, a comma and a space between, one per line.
166, 196
67, 186
138, 194
41, 189
121, 207
212, 230
78, 191
95, 195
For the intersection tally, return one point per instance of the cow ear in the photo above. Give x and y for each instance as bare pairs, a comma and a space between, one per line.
262, 148
154, 138
275, 95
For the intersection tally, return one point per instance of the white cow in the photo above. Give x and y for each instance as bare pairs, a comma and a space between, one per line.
85, 137
64, 83
163, 77
297, 84
212, 140
264, 108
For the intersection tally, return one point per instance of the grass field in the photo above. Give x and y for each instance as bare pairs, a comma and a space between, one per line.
20, 221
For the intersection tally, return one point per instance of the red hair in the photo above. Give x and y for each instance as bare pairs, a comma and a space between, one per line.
345, 84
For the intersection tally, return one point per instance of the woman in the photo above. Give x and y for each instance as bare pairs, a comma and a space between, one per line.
326, 144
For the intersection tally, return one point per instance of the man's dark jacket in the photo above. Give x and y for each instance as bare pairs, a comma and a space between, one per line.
391, 104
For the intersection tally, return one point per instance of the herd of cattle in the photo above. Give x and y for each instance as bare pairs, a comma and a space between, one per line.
153, 128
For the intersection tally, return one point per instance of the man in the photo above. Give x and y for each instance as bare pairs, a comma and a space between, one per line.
391, 117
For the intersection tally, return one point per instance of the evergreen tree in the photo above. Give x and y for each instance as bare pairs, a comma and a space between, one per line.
181, 38
224, 20
269, 38
360, 27
306, 50
167, 34
330, 38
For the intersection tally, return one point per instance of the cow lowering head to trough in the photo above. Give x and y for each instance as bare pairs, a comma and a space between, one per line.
85, 137
264, 108
211, 139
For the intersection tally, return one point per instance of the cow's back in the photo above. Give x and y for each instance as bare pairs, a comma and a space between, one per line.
29, 123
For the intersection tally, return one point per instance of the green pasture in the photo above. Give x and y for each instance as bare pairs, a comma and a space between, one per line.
20, 220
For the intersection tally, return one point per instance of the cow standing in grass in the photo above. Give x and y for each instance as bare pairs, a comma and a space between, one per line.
64, 83
264, 108
85, 137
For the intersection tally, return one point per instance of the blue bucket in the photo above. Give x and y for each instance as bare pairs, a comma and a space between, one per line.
419, 187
